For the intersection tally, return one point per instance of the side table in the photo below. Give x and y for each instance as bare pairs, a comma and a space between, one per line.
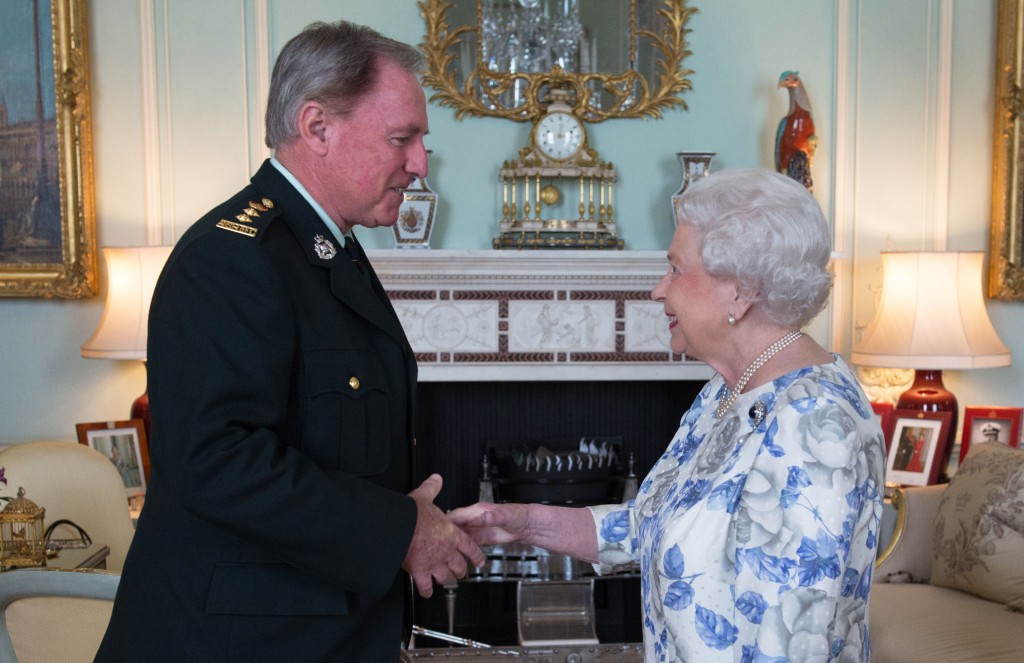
93, 556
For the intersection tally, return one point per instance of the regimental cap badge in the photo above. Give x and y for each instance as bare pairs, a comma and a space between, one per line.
324, 248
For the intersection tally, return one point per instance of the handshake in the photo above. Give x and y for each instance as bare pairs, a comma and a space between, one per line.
444, 545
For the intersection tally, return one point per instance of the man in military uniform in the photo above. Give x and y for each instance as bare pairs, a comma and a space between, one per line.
281, 513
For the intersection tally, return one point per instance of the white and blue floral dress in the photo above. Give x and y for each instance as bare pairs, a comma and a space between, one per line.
756, 533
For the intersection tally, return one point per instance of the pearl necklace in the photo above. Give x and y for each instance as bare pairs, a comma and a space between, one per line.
761, 360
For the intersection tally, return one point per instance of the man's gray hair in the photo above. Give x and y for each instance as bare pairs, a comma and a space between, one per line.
331, 63
768, 232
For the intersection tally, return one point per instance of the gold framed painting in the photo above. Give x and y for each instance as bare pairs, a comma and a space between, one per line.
47, 206
1006, 250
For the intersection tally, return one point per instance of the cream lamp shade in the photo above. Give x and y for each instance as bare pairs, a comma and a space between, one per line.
131, 276
932, 315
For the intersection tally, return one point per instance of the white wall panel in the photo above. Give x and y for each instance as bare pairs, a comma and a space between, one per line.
204, 116
902, 138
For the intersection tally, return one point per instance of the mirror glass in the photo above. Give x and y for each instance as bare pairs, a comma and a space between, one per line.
492, 53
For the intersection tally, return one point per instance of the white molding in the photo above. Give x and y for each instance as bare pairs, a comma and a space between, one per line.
263, 60
936, 128
402, 268
943, 128
844, 173
256, 62
149, 105
533, 315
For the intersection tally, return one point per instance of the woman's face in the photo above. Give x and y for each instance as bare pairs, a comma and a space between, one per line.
696, 303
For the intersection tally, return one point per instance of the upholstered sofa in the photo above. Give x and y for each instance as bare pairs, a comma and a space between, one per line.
950, 584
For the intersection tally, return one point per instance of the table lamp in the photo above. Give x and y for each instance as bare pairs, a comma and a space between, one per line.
932, 317
132, 272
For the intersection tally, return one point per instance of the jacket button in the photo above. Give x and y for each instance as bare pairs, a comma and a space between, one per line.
353, 382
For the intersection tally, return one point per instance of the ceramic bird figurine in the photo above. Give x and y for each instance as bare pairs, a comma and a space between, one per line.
795, 140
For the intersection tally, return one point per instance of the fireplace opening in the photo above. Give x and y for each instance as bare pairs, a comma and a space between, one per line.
458, 422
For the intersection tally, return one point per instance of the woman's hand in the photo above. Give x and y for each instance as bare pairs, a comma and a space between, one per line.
490, 523
568, 530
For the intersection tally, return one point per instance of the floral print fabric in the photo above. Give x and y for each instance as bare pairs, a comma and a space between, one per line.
756, 533
978, 540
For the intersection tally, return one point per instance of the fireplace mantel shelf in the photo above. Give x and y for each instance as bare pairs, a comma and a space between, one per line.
533, 315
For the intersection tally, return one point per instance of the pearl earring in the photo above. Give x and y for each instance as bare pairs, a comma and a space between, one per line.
731, 320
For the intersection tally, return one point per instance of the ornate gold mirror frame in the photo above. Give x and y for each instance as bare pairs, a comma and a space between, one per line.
1006, 252
629, 92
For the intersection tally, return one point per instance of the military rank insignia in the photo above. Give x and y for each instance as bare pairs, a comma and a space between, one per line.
246, 216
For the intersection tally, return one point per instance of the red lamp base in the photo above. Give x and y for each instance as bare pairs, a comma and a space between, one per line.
140, 409
928, 394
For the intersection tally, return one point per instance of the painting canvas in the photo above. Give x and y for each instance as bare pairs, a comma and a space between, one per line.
30, 229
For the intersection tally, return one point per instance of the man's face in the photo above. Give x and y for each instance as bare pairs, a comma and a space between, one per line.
374, 152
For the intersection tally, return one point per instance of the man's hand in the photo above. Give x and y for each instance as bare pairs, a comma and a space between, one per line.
439, 550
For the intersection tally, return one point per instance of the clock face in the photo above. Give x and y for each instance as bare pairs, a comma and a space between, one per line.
558, 135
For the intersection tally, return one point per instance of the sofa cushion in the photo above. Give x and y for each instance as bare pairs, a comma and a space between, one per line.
912, 623
978, 542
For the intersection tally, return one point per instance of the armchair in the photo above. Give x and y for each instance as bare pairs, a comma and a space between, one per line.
62, 614
949, 585
73, 482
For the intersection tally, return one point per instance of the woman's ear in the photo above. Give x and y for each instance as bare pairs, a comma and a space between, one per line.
741, 302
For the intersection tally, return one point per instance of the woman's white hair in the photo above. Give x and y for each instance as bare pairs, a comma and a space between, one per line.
766, 231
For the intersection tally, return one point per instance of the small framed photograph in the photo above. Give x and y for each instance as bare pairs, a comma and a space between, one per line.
917, 446
883, 413
990, 424
124, 443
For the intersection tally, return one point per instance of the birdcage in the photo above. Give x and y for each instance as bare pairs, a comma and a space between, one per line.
22, 534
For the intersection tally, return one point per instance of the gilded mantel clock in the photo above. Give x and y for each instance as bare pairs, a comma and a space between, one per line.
558, 192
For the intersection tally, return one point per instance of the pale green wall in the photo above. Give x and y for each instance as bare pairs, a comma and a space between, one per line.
871, 67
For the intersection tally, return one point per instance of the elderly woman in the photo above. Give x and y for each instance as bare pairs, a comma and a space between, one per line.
756, 530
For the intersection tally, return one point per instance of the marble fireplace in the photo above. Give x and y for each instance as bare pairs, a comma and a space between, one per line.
543, 346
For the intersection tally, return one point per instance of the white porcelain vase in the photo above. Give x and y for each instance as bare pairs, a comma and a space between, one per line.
695, 166
416, 216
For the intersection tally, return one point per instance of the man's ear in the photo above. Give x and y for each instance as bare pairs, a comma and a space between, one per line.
313, 122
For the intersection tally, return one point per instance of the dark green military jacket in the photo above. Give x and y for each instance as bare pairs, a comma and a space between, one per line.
282, 390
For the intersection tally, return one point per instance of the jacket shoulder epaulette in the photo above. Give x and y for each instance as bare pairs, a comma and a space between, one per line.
249, 216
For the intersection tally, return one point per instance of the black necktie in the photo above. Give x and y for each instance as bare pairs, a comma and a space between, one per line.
353, 253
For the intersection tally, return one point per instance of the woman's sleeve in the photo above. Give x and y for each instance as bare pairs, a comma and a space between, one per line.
616, 537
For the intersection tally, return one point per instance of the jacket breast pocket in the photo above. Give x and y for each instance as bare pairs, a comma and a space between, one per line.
346, 421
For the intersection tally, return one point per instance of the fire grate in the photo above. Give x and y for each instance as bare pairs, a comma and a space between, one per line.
556, 613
